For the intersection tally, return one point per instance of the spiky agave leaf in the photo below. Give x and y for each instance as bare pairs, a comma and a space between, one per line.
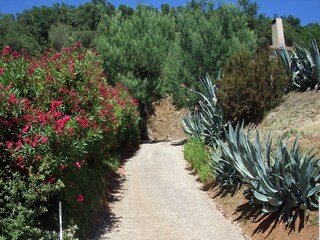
304, 65
316, 60
225, 172
209, 115
212, 123
192, 124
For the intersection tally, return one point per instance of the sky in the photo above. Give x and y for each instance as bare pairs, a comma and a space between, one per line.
306, 10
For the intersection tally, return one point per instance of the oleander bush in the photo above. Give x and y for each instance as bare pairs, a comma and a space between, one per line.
60, 126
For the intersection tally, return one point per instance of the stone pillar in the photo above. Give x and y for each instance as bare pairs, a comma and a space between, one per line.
277, 33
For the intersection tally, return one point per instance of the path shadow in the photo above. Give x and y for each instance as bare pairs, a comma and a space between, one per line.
172, 142
204, 186
105, 221
221, 191
192, 171
178, 142
250, 212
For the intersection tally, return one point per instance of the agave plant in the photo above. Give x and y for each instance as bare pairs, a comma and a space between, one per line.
212, 122
207, 121
304, 66
299, 175
285, 181
192, 124
225, 172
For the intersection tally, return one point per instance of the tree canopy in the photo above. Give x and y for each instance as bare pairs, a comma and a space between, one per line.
154, 51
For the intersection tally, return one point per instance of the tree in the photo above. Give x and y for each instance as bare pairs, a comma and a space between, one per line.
60, 35
250, 9
82, 21
293, 21
39, 20
310, 32
292, 29
14, 34
209, 39
165, 8
89, 16
155, 53
263, 30
134, 50
125, 10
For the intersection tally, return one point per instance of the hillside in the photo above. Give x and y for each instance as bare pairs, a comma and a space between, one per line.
165, 122
298, 115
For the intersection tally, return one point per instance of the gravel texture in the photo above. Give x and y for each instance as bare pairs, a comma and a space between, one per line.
159, 199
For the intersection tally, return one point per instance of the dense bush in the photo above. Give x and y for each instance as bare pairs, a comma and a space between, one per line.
60, 122
251, 86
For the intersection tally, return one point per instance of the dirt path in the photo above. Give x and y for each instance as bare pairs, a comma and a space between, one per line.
159, 199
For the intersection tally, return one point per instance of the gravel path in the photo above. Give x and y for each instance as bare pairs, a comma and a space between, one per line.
159, 199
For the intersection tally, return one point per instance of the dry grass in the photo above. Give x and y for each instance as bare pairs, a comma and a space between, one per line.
297, 116
165, 122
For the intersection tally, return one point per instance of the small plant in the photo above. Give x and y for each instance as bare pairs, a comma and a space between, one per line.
286, 181
198, 156
303, 65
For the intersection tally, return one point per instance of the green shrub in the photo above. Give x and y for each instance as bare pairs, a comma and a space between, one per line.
251, 86
198, 156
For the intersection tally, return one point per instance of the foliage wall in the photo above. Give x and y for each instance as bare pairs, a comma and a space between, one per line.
156, 52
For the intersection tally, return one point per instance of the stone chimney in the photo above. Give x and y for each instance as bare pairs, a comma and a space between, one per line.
277, 34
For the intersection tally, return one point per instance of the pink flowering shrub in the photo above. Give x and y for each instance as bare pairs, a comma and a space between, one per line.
59, 121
